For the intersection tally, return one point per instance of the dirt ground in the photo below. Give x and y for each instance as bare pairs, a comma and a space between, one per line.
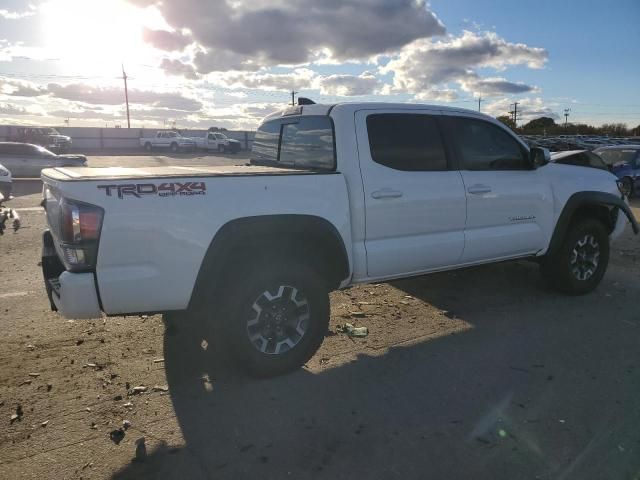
479, 373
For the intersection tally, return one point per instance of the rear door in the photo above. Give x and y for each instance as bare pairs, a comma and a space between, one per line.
415, 202
509, 204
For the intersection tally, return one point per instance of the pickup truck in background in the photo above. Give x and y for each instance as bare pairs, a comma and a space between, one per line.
46, 137
168, 139
335, 195
217, 141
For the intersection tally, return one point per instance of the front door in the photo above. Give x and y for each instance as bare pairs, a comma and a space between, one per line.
509, 204
414, 202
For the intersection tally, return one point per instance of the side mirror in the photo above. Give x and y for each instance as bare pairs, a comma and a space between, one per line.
539, 157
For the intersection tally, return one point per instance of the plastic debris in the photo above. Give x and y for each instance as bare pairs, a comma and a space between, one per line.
126, 424
117, 436
352, 330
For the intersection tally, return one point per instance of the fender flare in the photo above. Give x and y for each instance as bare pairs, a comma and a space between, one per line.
278, 226
582, 199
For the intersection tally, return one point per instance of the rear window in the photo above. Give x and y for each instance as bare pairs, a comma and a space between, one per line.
302, 142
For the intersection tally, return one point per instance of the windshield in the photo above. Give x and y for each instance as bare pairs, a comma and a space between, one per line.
49, 131
611, 157
220, 136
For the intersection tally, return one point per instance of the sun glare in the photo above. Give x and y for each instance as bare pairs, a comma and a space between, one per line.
96, 36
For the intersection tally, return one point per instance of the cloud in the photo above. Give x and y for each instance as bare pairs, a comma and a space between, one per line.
176, 67
106, 95
349, 85
8, 109
528, 108
425, 64
494, 86
442, 95
299, 78
21, 88
250, 34
166, 40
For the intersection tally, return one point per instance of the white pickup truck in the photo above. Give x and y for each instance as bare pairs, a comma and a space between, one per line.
217, 141
168, 139
335, 195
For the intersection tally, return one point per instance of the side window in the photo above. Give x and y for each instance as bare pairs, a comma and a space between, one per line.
409, 142
484, 146
308, 143
265, 143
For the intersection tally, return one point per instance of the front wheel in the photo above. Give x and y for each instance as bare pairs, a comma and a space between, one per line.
578, 266
277, 314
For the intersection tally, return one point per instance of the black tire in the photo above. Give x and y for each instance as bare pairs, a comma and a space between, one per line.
577, 267
174, 147
627, 187
295, 287
148, 147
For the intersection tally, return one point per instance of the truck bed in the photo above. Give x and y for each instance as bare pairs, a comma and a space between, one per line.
71, 174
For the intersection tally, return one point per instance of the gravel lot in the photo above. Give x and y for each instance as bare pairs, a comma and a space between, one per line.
480, 373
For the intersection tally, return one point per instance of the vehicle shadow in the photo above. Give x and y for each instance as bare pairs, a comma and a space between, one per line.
539, 386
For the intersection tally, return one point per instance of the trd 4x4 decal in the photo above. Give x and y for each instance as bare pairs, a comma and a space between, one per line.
167, 189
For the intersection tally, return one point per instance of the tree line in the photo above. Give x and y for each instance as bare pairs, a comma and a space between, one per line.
548, 126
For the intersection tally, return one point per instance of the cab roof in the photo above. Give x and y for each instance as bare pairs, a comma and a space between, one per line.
326, 109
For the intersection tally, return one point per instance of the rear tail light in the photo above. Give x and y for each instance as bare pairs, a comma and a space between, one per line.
79, 234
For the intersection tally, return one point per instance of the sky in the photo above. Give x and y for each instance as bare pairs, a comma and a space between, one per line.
228, 63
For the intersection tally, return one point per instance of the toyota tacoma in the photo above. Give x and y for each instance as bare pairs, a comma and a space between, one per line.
334, 195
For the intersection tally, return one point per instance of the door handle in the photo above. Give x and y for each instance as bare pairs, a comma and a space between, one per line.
478, 189
386, 193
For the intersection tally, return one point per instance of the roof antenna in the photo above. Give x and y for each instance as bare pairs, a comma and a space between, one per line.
305, 101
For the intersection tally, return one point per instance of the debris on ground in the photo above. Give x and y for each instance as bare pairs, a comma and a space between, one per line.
117, 436
158, 360
34, 374
358, 314
17, 415
138, 389
128, 405
126, 424
160, 388
352, 330
141, 449
44, 424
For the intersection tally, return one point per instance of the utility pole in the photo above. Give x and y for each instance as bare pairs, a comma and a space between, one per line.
566, 116
126, 96
293, 97
479, 102
514, 114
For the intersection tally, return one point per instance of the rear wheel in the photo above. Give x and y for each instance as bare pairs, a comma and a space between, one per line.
581, 261
276, 315
627, 187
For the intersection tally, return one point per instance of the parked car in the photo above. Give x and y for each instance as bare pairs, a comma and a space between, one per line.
46, 137
5, 183
168, 139
580, 158
27, 160
217, 141
335, 195
624, 161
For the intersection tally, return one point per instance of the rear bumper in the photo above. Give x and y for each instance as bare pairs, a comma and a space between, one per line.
74, 295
